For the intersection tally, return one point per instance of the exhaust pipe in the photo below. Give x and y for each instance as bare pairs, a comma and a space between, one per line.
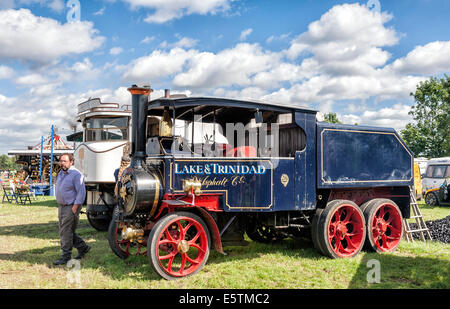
139, 106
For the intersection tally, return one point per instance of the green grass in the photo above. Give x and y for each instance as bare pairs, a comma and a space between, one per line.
432, 213
29, 243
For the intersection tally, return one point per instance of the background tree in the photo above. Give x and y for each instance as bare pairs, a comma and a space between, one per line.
414, 139
332, 118
429, 136
8, 163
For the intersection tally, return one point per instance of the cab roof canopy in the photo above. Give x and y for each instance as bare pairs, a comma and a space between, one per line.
224, 110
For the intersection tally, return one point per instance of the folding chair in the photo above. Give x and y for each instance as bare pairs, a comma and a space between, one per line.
38, 192
23, 194
9, 194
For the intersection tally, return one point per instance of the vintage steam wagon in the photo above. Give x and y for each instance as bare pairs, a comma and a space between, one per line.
103, 139
204, 171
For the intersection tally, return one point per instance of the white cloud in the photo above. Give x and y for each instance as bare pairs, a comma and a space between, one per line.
347, 40
116, 51
43, 91
158, 65
31, 80
339, 61
84, 70
280, 72
148, 39
76, 73
234, 66
49, 39
348, 29
431, 59
396, 117
245, 33
56, 5
50, 105
2, 99
273, 38
6, 72
168, 10
183, 42
343, 59
326, 106
100, 12
248, 93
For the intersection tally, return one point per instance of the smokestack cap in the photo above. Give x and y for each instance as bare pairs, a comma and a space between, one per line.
145, 90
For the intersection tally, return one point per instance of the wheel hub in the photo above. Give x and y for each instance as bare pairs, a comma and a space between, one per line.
381, 226
341, 230
183, 246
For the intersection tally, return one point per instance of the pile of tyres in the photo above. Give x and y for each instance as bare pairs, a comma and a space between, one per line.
439, 229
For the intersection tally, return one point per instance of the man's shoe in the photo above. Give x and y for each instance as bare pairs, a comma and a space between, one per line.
82, 253
61, 261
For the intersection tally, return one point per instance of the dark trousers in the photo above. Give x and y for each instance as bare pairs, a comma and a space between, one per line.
68, 222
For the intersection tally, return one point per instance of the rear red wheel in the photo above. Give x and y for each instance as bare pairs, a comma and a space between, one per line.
339, 229
384, 225
178, 245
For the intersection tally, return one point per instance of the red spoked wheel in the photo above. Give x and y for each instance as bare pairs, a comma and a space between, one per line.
178, 245
384, 225
124, 248
339, 229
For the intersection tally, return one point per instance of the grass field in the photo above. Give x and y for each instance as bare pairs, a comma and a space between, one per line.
29, 243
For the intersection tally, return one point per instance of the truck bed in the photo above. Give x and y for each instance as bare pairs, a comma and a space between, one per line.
362, 156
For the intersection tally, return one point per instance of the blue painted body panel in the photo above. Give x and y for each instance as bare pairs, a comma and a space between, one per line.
305, 164
359, 156
335, 157
245, 184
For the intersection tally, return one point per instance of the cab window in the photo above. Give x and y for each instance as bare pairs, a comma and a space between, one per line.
106, 129
437, 171
218, 131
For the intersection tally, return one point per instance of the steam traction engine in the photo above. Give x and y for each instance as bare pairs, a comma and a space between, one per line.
104, 141
204, 171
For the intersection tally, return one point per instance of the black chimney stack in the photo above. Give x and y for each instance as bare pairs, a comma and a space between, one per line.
139, 107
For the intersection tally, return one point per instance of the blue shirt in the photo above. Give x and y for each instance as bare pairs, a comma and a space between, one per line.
70, 187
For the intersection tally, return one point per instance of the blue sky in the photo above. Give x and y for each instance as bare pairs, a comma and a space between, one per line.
359, 59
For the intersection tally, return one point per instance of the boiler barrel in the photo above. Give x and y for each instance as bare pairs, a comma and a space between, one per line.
140, 192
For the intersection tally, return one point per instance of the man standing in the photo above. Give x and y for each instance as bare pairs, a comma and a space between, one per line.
70, 195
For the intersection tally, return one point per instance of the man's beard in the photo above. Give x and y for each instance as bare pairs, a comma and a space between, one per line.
64, 169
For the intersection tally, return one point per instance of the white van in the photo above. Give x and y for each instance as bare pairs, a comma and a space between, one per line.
438, 170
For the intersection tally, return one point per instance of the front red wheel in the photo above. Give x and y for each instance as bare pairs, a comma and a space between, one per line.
339, 229
384, 225
121, 246
178, 245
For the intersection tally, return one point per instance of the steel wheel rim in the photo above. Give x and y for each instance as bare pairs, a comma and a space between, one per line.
346, 231
128, 247
430, 199
181, 247
386, 227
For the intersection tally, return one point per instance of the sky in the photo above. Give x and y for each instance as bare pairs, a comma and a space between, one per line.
358, 59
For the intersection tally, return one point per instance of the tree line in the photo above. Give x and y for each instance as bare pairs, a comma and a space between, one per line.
429, 134
8, 163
